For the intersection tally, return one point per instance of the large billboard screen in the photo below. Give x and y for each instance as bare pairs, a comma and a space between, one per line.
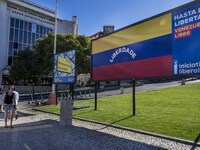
162, 46
64, 67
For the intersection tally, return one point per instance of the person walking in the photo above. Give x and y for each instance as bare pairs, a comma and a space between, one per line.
8, 105
17, 100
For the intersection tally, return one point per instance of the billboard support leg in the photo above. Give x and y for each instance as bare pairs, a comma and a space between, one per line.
133, 96
72, 90
56, 94
95, 97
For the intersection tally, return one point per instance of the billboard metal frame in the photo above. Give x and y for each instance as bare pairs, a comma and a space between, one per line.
55, 68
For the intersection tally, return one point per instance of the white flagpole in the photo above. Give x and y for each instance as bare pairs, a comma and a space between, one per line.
55, 33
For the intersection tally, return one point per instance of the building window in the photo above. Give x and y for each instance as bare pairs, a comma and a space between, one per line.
37, 29
12, 22
11, 34
20, 36
21, 24
16, 35
45, 31
17, 23
23, 35
29, 37
10, 48
30, 27
33, 37
41, 29
20, 47
33, 28
25, 26
10, 60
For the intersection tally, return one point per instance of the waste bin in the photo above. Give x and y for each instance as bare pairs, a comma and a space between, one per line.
66, 107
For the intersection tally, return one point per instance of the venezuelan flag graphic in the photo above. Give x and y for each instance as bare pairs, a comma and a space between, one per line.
139, 51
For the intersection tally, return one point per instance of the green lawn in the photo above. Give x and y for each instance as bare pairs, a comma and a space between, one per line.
172, 111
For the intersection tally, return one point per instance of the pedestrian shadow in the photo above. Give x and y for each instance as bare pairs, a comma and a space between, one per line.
19, 113
49, 134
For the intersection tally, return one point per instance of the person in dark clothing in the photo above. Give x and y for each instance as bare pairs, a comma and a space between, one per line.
8, 105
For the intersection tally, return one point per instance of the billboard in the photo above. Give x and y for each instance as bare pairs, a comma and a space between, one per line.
64, 67
162, 46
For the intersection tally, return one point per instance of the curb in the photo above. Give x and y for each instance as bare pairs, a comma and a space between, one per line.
178, 140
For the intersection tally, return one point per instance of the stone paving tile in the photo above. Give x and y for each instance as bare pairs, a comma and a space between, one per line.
36, 130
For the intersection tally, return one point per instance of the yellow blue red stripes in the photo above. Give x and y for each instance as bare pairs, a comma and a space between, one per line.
143, 31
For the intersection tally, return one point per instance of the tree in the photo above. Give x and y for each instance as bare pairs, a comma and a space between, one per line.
83, 55
65, 42
32, 64
25, 67
44, 54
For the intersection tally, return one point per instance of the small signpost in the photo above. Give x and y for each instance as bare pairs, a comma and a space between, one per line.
65, 73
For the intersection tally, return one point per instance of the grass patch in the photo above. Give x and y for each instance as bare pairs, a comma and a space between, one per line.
172, 111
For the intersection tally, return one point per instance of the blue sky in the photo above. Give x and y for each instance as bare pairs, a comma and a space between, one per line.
94, 14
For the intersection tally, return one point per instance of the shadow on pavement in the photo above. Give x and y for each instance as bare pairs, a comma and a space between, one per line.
116, 122
20, 114
48, 134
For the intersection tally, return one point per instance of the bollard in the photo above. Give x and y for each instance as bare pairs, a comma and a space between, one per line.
183, 82
122, 90
66, 107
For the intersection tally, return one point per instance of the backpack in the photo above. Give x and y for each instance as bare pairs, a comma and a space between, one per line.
8, 98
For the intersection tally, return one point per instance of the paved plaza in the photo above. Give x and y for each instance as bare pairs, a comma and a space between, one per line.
36, 130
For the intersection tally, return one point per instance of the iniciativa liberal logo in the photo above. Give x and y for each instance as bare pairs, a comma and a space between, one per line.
175, 67
120, 51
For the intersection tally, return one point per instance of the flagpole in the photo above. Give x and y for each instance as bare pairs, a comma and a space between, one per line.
55, 33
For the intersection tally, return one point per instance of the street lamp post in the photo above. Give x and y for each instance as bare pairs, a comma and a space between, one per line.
55, 33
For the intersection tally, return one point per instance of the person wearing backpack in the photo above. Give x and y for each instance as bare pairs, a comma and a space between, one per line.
8, 105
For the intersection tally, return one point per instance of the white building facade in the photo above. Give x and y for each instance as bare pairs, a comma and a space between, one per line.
21, 23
